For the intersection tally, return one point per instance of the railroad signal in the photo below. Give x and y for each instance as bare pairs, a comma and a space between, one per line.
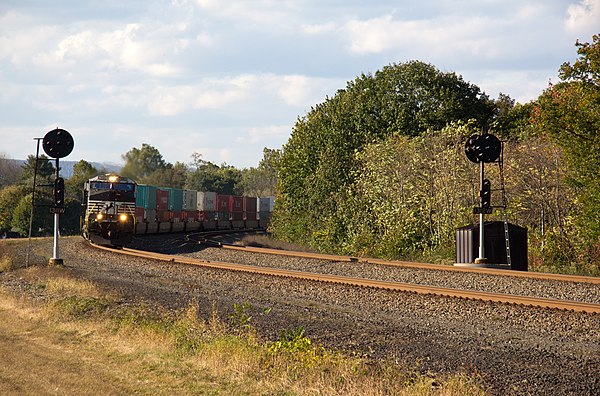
59, 191
486, 194
58, 143
483, 148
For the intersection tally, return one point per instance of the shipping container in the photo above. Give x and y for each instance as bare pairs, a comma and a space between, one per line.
222, 216
150, 215
145, 196
189, 215
264, 216
139, 214
266, 204
250, 204
250, 216
175, 199
162, 199
236, 203
223, 202
163, 216
190, 200
236, 216
206, 216
207, 201
174, 215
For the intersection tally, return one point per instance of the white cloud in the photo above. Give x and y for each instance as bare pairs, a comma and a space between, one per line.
584, 17
264, 134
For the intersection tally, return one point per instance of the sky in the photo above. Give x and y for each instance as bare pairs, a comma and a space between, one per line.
227, 78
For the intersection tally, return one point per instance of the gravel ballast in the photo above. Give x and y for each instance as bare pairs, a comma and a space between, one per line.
516, 350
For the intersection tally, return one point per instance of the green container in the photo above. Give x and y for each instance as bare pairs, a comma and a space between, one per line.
175, 199
145, 196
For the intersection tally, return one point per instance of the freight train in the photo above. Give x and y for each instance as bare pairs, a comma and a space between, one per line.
116, 208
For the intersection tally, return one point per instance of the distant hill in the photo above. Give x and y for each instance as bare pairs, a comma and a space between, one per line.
66, 167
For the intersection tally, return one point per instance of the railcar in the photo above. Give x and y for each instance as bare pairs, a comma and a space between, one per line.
108, 210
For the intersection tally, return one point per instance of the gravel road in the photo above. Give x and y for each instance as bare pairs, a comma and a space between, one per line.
516, 350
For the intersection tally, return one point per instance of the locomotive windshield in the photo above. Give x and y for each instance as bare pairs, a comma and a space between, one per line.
106, 191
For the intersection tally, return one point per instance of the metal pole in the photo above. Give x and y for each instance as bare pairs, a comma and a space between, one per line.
55, 260
481, 258
37, 154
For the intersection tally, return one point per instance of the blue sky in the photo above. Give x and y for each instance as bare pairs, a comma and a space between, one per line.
227, 78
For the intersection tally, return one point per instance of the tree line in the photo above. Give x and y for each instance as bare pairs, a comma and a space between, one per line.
145, 165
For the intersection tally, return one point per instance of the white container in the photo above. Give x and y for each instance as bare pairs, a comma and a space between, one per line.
190, 200
206, 201
266, 204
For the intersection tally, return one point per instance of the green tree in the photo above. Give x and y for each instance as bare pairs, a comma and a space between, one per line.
43, 221
512, 120
82, 171
45, 170
207, 176
262, 180
9, 197
141, 163
10, 171
568, 113
174, 176
319, 159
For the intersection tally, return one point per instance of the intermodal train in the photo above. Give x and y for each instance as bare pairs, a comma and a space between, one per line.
115, 208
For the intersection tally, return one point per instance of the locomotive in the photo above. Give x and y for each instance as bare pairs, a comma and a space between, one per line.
108, 208
116, 208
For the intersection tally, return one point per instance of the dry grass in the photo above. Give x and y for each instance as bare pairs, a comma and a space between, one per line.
6, 264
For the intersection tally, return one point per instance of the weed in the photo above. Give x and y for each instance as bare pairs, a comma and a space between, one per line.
77, 307
242, 316
6, 264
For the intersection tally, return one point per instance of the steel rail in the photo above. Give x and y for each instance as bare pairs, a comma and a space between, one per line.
369, 283
410, 264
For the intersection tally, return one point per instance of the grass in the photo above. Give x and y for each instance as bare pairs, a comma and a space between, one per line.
121, 347
6, 264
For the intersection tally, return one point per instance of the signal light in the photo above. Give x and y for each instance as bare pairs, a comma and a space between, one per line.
483, 148
486, 194
59, 191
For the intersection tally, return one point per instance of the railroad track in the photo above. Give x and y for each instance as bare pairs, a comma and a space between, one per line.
370, 283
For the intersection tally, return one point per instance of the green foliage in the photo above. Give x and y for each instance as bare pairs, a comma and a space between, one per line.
141, 163
78, 307
291, 341
82, 171
319, 161
568, 113
207, 176
409, 194
9, 197
43, 221
45, 170
242, 316
262, 180
10, 171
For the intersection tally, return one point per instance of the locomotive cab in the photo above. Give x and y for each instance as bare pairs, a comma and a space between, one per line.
109, 210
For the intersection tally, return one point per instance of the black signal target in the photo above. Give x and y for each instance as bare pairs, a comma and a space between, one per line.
483, 148
58, 143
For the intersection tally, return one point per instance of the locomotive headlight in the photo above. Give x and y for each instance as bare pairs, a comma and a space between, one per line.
99, 216
113, 178
123, 217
